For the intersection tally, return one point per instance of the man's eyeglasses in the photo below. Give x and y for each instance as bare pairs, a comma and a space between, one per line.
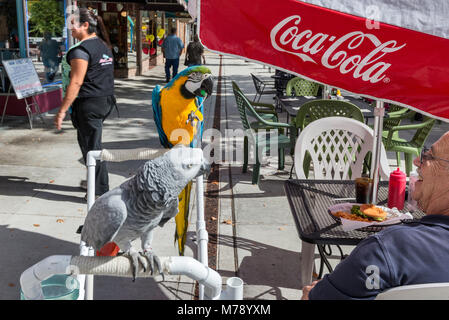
425, 155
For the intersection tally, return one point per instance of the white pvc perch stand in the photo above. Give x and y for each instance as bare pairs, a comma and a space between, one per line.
87, 265
31, 278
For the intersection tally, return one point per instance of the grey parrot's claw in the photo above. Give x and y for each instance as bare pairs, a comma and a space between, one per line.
135, 258
135, 263
154, 261
143, 262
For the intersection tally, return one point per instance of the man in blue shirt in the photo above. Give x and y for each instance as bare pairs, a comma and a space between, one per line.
171, 49
411, 253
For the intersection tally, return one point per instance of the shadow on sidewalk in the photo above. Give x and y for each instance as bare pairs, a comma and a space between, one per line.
23, 250
267, 187
264, 266
28, 248
13, 186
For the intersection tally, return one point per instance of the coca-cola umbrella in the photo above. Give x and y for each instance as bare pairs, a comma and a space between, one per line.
394, 51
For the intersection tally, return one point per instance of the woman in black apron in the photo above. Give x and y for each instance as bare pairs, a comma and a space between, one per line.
90, 92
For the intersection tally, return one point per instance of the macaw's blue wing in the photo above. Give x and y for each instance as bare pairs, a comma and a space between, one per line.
157, 114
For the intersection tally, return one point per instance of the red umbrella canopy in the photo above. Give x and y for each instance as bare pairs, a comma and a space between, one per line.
390, 50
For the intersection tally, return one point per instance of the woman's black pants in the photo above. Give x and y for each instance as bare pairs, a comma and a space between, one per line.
88, 115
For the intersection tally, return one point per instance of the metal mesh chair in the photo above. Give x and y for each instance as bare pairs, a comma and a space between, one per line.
265, 110
261, 87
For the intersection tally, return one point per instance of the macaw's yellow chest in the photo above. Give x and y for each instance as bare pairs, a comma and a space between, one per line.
175, 112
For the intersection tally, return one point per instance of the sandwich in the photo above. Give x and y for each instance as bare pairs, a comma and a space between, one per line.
365, 213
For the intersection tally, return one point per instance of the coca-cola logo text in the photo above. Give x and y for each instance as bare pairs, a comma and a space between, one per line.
336, 53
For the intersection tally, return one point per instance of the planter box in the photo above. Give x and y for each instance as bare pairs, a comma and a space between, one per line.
48, 100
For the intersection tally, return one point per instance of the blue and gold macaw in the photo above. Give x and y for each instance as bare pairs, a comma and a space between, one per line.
179, 105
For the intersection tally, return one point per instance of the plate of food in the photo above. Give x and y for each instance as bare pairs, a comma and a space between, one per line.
355, 215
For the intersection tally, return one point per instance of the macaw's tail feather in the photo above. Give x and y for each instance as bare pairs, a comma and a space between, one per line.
182, 218
110, 249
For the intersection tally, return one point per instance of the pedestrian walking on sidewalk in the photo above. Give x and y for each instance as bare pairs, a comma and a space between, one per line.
49, 51
88, 86
172, 49
194, 52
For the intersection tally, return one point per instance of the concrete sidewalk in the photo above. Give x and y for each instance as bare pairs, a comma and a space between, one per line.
42, 204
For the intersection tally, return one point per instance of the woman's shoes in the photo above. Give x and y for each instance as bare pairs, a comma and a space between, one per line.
85, 197
83, 185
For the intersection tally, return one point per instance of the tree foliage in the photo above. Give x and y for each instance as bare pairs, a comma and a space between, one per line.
46, 16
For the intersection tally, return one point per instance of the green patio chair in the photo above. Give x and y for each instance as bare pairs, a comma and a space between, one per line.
265, 110
318, 109
282, 141
301, 87
412, 147
395, 116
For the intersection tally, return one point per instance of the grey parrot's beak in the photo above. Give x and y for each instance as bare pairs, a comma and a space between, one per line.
206, 88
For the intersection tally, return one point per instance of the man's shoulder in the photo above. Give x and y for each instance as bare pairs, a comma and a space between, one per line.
413, 233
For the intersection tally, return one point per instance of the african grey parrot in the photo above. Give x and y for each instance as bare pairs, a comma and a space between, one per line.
137, 206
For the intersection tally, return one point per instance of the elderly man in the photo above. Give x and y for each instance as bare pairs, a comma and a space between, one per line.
410, 253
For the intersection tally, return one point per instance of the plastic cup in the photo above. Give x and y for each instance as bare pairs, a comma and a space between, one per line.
59, 287
363, 190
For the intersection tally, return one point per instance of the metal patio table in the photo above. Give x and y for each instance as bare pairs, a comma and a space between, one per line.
292, 104
309, 201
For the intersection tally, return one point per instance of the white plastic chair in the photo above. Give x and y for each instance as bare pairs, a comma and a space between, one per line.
337, 139
428, 291
337, 146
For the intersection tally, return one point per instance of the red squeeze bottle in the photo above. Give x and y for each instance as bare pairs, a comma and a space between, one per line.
396, 189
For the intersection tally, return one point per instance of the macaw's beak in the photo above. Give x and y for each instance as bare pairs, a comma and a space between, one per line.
206, 88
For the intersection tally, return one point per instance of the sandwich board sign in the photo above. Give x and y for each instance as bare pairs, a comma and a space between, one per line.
23, 77
26, 83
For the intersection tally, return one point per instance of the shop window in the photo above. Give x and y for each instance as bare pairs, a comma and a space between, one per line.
46, 38
117, 24
9, 41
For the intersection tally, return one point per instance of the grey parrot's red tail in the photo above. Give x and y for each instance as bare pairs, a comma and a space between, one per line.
110, 249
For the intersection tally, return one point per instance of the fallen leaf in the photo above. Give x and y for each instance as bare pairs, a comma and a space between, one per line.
60, 221
215, 182
280, 228
213, 218
80, 210
11, 285
51, 181
264, 205
36, 225
227, 221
